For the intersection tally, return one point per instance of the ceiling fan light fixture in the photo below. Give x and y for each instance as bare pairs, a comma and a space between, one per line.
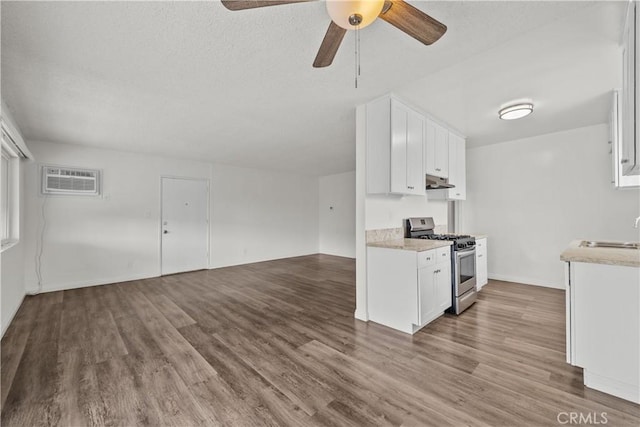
516, 111
343, 11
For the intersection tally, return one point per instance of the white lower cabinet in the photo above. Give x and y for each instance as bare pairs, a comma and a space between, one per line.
406, 289
427, 292
482, 271
443, 286
603, 326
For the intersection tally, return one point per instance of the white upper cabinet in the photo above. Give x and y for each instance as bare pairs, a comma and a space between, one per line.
415, 147
457, 170
395, 143
630, 114
618, 179
457, 167
403, 145
436, 156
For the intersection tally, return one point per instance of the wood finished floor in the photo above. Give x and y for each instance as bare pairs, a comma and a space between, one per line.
276, 343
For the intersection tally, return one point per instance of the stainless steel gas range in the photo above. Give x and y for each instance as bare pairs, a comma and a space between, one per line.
463, 261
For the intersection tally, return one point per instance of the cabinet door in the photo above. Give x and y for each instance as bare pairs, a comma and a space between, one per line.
442, 152
482, 273
636, 45
415, 146
443, 286
428, 296
457, 168
407, 144
630, 149
399, 116
436, 153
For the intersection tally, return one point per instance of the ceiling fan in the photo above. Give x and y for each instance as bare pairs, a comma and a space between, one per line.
356, 14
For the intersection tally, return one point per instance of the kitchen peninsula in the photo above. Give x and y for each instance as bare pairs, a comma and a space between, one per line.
603, 315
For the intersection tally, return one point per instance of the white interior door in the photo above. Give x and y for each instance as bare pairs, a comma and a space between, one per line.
185, 225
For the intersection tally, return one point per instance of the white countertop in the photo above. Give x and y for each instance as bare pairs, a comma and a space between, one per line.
416, 245
611, 256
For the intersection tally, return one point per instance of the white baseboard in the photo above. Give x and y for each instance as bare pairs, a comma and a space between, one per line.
525, 280
87, 283
338, 254
5, 326
213, 266
107, 281
361, 315
612, 386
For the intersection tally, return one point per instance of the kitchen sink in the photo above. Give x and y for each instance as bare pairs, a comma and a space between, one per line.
617, 245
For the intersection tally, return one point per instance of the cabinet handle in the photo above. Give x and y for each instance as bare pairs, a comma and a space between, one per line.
480, 256
457, 194
438, 170
410, 188
623, 161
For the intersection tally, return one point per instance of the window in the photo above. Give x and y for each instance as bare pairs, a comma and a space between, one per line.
14, 151
9, 197
4, 196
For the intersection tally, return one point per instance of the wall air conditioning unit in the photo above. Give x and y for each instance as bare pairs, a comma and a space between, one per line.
58, 180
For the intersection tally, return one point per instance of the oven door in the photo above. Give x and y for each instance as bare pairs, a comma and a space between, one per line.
465, 278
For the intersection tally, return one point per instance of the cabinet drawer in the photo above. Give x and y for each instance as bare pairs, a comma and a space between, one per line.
443, 254
426, 258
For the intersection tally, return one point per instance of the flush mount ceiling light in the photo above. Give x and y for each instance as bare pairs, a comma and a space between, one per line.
516, 111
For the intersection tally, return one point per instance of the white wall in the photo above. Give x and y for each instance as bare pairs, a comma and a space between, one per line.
337, 214
390, 211
534, 196
95, 240
116, 237
12, 285
259, 215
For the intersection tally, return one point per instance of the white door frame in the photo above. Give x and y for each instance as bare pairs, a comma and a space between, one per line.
208, 181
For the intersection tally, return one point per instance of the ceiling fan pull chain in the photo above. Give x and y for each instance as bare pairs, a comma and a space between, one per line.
358, 35
356, 57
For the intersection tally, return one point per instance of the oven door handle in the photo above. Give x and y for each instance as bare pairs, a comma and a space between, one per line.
465, 252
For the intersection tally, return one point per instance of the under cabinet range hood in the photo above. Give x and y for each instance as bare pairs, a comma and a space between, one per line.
437, 183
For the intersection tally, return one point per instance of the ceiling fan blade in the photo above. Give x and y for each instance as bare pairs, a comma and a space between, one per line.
252, 4
412, 21
329, 46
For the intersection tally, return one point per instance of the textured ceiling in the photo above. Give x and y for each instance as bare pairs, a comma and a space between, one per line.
194, 80
567, 69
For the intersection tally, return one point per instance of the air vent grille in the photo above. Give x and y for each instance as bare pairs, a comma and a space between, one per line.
70, 181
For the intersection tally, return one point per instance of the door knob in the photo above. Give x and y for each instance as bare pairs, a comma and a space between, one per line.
166, 232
